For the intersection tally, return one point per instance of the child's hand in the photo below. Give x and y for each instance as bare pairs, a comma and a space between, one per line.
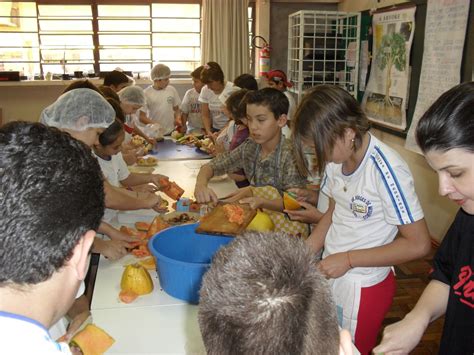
204, 194
149, 188
157, 180
334, 265
309, 214
114, 249
150, 200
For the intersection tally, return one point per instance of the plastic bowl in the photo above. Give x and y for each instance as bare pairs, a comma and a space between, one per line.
182, 258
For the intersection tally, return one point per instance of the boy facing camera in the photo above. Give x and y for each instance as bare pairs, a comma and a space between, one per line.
266, 157
264, 295
50, 208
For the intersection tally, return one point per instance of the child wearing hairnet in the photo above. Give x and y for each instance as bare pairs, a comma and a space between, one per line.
162, 100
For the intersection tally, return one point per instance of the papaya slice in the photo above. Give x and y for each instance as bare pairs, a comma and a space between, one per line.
290, 202
92, 340
129, 231
127, 296
157, 225
174, 191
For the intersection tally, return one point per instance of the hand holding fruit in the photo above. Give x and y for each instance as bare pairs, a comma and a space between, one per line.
308, 214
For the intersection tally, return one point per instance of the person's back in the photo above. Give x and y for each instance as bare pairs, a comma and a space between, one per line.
263, 295
50, 208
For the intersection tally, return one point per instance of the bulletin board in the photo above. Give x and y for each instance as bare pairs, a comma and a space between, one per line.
416, 56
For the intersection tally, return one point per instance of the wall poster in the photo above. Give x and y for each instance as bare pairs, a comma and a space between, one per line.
386, 95
445, 33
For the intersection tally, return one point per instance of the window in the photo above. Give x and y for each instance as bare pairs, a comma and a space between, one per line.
37, 37
62, 38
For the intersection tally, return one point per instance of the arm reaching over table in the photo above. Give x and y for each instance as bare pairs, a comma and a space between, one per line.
202, 192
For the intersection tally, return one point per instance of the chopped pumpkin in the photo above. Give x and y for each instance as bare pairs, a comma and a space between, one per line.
234, 213
92, 340
137, 279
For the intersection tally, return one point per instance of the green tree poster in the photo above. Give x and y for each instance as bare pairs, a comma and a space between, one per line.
386, 95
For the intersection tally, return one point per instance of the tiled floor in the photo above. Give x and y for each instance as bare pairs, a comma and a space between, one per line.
412, 278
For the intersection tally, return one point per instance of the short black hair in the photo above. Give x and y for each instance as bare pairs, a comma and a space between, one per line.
51, 194
264, 295
449, 122
246, 81
273, 99
115, 78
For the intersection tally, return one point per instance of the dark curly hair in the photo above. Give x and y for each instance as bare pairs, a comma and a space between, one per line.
51, 194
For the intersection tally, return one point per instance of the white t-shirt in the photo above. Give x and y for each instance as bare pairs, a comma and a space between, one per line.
114, 171
159, 106
380, 196
216, 107
22, 335
192, 107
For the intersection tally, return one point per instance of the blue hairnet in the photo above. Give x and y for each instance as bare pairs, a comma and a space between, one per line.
78, 110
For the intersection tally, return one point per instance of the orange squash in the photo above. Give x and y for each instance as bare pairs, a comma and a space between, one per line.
92, 340
290, 202
157, 225
127, 296
173, 190
137, 279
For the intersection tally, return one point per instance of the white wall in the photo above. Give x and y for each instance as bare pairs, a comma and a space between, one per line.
26, 100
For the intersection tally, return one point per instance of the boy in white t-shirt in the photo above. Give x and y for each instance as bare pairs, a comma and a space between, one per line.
48, 221
162, 100
191, 107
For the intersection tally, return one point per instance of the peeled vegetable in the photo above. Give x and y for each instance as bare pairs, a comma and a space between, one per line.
135, 278
261, 223
290, 202
92, 340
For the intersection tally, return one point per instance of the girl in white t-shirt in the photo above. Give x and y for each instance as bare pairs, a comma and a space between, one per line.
373, 220
212, 108
115, 170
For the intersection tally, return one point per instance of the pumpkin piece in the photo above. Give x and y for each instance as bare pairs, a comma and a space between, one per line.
174, 191
137, 279
234, 213
92, 340
164, 183
148, 263
290, 202
141, 252
157, 225
142, 226
195, 207
127, 296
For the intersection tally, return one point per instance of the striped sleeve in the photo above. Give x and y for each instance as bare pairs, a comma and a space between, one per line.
396, 187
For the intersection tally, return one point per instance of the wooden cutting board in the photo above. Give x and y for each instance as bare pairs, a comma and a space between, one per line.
216, 222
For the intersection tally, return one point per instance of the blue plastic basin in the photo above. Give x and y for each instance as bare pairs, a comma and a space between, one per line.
182, 258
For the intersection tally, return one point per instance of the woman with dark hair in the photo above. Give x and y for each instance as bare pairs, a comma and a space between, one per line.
374, 219
212, 106
445, 134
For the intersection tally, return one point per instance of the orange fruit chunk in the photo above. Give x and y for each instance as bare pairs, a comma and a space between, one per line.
290, 203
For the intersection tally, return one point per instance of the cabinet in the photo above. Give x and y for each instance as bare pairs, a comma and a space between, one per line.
323, 48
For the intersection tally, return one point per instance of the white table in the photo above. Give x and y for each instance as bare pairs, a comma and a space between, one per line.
156, 323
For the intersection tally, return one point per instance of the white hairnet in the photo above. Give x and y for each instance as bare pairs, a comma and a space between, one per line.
133, 95
160, 71
78, 110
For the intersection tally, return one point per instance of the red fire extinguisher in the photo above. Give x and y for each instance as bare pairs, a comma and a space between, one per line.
263, 54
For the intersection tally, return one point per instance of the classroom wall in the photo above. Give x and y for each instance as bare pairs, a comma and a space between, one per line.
25, 101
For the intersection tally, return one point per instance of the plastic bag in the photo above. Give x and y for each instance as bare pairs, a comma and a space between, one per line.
153, 130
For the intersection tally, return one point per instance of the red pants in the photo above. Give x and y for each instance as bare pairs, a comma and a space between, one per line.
375, 302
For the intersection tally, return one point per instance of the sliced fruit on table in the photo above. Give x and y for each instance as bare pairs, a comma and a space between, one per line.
92, 340
137, 279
